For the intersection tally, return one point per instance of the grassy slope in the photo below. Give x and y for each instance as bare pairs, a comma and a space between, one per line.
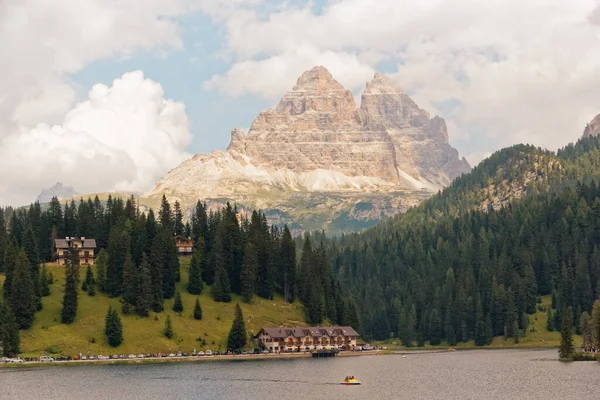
143, 335
537, 335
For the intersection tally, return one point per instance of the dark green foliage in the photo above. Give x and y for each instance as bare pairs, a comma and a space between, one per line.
238, 337
168, 331
567, 348
10, 262
435, 328
221, 288
129, 284
197, 310
178, 304
195, 284
113, 328
144, 298
119, 247
287, 259
9, 331
44, 282
156, 262
101, 265
248, 274
549, 320
29, 245
70, 302
23, 298
178, 227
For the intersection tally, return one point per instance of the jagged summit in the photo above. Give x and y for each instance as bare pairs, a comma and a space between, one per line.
316, 140
593, 127
57, 190
382, 84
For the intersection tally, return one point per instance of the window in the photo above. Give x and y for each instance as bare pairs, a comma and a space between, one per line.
86, 253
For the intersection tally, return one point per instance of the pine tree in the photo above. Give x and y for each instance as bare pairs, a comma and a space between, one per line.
221, 288
113, 328
197, 310
596, 323
143, 301
178, 304
585, 326
435, 328
101, 264
129, 284
248, 274
178, 226
156, 271
44, 282
549, 320
9, 331
10, 262
288, 259
23, 299
165, 215
195, 279
237, 335
566, 336
119, 248
69, 309
168, 331
29, 245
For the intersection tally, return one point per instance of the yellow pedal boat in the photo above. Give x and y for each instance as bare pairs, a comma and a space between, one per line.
350, 380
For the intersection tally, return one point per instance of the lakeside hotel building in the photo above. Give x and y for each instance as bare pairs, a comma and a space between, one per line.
307, 338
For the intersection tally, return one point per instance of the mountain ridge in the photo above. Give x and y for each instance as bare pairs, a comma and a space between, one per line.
316, 140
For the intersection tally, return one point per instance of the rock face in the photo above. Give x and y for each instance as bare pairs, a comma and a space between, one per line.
58, 190
593, 127
317, 140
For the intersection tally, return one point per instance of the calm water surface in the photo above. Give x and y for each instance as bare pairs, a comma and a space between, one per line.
478, 374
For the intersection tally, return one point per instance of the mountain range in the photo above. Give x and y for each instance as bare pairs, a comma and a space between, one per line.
317, 161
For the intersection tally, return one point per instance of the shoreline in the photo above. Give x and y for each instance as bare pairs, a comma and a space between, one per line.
186, 360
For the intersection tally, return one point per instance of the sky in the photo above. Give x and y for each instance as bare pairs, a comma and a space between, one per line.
110, 95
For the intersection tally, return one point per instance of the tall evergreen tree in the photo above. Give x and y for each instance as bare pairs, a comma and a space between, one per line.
237, 338
596, 323
29, 245
248, 274
70, 302
195, 275
549, 320
3, 240
178, 304
9, 331
221, 288
23, 299
113, 328
168, 331
288, 259
10, 262
119, 247
101, 265
44, 282
165, 216
435, 328
585, 326
156, 261
129, 284
178, 226
144, 297
566, 349
197, 310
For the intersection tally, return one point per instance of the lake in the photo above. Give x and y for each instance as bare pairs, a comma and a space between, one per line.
476, 374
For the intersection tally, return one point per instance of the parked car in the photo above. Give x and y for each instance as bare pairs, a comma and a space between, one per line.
83, 358
209, 352
101, 357
178, 354
185, 354
131, 356
265, 352
200, 353
172, 355
16, 360
46, 359
140, 356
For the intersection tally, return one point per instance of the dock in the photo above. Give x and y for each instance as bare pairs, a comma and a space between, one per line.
325, 353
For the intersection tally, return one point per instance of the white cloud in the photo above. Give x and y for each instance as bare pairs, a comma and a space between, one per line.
520, 70
123, 137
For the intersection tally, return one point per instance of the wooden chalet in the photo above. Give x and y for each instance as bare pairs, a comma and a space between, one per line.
85, 248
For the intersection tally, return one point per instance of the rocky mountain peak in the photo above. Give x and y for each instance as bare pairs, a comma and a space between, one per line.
593, 127
317, 91
317, 78
57, 190
381, 84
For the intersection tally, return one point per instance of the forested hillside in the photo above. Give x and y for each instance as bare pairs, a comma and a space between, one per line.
138, 262
453, 270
